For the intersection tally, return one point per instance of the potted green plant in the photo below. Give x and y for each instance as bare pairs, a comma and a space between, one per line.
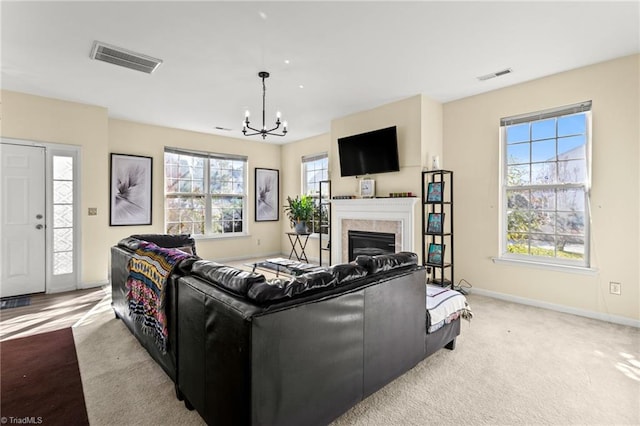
300, 211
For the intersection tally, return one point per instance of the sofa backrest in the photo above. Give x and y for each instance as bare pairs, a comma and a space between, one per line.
257, 289
387, 262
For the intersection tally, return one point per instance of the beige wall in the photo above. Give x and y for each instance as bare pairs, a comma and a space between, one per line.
419, 125
34, 118
40, 119
291, 184
472, 151
126, 137
405, 115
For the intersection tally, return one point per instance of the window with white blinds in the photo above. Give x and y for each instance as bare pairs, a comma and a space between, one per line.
545, 185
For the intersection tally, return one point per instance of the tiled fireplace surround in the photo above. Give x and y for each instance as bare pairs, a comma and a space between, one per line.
391, 215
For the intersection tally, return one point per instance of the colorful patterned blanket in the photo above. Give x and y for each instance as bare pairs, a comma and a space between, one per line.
149, 269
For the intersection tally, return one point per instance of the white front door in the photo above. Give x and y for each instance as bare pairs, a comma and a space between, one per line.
22, 221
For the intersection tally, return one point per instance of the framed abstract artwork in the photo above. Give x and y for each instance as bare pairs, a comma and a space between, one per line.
434, 192
434, 223
130, 190
436, 254
267, 195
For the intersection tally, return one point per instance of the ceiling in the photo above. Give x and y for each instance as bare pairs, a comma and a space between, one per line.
326, 59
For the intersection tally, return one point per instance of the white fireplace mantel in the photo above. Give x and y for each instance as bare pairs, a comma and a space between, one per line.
399, 210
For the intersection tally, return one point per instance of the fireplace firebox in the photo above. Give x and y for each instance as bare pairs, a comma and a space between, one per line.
370, 243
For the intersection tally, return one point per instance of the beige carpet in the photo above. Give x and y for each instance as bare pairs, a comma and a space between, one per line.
513, 364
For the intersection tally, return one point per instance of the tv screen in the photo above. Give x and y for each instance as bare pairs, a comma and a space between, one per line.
369, 153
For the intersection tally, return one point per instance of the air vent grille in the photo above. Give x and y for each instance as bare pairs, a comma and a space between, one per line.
495, 74
123, 57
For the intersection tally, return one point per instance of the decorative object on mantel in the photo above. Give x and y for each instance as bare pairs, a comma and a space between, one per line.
400, 194
263, 132
367, 188
300, 211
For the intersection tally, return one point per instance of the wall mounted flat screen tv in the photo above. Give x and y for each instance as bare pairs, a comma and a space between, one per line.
369, 153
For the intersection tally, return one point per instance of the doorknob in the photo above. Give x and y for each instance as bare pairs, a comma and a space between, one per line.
39, 226
38, 216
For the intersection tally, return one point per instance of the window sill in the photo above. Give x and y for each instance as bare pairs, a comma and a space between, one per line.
219, 236
547, 266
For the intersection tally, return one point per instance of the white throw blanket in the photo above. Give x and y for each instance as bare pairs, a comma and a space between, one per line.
443, 304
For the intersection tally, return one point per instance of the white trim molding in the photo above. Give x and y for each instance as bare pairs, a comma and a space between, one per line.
372, 209
616, 319
549, 266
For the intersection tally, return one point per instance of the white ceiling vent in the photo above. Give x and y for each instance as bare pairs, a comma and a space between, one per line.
495, 74
123, 57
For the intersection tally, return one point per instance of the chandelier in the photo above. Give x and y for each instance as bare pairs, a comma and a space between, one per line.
264, 131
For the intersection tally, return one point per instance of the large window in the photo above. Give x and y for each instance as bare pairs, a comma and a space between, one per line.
315, 168
205, 193
545, 186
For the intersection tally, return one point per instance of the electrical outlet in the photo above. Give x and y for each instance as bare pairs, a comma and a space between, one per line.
258, 240
93, 211
614, 287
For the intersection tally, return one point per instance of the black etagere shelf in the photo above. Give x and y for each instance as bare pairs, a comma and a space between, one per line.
324, 194
437, 226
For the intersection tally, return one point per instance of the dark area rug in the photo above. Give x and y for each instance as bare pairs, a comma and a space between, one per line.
14, 302
40, 380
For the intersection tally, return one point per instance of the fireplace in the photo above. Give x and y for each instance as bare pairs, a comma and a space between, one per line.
385, 215
370, 243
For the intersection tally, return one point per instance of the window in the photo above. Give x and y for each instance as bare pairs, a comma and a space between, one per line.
63, 221
205, 193
545, 186
315, 168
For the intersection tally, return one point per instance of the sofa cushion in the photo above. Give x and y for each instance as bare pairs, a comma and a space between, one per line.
346, 272
277, 289
170, 241
230, 278
387, 262
129, 243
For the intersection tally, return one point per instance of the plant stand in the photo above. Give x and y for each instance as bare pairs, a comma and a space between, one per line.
298, 241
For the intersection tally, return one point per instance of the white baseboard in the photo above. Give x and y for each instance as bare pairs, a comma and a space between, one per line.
83, 286
616, 319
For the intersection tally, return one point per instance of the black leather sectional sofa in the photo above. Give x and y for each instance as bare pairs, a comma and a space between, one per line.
245, 351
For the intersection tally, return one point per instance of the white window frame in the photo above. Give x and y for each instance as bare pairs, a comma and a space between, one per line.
207, 195
306, 160
545, 261
313, 192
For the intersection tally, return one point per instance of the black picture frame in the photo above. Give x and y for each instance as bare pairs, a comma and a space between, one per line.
436, 254
434, 192
130, 190
267, 195
434, 223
